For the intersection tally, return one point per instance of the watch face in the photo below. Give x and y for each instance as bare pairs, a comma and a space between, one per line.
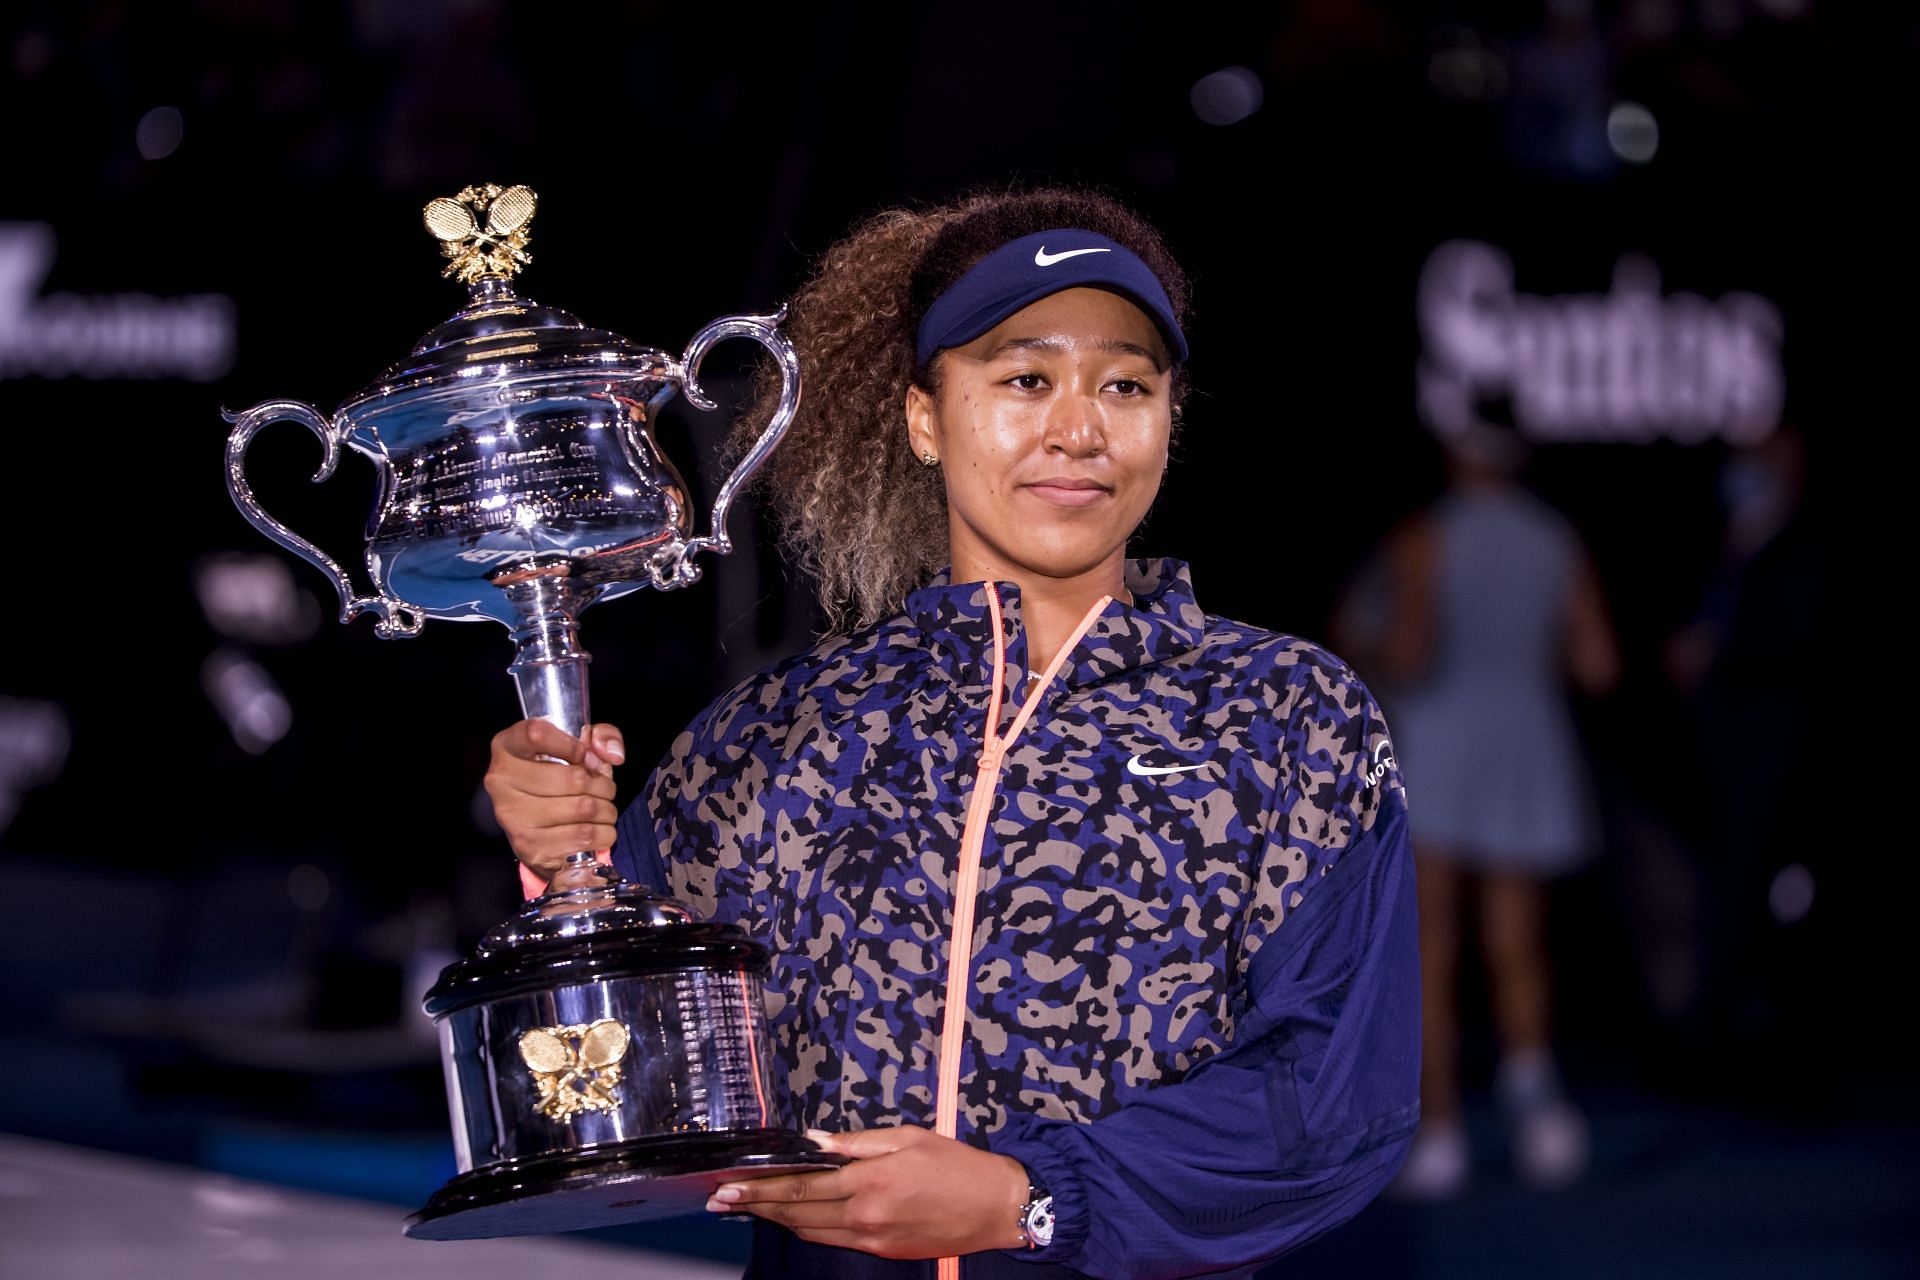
1040, 1222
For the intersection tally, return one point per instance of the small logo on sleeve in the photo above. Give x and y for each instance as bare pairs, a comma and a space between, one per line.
1382, 761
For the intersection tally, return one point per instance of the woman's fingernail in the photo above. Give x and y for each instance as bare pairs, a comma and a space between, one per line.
592, 762
714, 1205
613, 752
819, 1135
727, 1194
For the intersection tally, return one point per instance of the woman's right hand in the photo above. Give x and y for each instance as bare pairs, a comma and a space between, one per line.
549, 810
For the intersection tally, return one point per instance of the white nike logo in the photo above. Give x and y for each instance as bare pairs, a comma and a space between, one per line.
1153, 771
1044, 259
1382, 761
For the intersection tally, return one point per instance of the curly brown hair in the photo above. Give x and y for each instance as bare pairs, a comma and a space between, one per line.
855, 508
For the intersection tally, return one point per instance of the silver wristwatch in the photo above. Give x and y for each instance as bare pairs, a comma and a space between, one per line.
1036, 1218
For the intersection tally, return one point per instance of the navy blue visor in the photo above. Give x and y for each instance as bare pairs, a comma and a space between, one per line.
1021, 272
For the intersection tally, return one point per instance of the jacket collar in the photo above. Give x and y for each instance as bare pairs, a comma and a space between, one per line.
1163, 623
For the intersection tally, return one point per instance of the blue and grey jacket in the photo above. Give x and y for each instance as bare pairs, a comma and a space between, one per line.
1185, 991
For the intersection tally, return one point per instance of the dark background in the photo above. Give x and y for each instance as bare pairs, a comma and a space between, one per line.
224, 942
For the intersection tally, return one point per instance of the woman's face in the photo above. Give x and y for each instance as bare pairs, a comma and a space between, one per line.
1051, 430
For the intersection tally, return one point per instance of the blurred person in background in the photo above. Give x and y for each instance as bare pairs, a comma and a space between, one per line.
1741, 662
1470, 619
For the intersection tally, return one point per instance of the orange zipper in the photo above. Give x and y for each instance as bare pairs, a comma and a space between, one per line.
973, 836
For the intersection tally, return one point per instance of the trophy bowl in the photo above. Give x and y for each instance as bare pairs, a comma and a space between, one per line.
515, 443
605, 1052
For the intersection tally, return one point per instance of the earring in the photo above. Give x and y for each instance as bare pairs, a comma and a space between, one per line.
926, 458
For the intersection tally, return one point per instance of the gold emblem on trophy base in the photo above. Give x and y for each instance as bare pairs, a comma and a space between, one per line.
493, 253
576, 1068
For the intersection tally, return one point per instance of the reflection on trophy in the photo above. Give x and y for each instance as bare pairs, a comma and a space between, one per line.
606, 1053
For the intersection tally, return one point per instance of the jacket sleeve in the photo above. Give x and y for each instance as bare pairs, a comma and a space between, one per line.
1307, 1112
703, 758
636, 853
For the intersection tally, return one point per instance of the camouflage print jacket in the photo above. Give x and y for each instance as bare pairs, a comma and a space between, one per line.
1190, 1003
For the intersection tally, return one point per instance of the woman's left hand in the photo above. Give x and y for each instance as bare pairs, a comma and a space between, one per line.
909, 1193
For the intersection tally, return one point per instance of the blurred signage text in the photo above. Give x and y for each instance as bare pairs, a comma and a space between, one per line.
111, 335
1627, 365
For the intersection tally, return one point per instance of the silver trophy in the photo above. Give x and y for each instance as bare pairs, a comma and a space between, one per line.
606, 1053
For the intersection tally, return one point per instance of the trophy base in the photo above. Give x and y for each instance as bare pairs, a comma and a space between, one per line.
633, 1181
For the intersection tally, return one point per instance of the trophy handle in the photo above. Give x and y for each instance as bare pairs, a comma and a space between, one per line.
678, 569
395, 617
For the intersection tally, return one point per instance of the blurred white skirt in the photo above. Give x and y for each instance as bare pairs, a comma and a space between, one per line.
1495, 776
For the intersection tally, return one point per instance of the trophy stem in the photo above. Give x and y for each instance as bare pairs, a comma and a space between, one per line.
550, 670
490, 292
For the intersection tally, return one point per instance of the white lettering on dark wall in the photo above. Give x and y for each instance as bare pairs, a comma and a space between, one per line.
118, 335
1628, 365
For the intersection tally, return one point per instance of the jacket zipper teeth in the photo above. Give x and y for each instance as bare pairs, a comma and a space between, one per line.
986, 782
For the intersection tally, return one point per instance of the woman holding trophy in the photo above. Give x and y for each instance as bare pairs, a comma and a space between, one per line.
1092, 913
